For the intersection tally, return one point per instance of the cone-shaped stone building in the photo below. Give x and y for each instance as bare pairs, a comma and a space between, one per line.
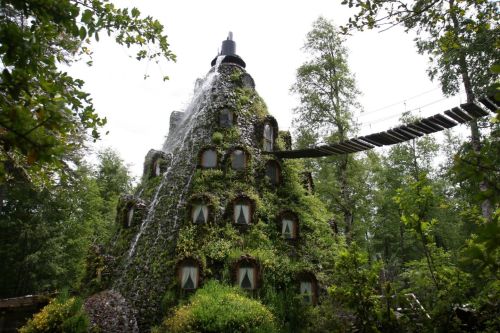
216, 204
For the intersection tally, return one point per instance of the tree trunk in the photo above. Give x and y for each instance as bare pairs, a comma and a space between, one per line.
416, 169
486, 207
402, 241
345, 199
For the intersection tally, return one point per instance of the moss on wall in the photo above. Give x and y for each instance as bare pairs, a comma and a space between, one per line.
149, 250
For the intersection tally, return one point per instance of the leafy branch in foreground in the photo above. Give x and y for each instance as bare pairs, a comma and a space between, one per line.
44, 112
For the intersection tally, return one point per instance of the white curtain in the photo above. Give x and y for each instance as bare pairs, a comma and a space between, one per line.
157, 167
268, 138
290, 232
306, 291
245, 208
246, 271
238, 160
196, 212
209, 159
130, 216
189, 271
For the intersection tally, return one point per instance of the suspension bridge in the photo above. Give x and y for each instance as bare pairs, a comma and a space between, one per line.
438, 122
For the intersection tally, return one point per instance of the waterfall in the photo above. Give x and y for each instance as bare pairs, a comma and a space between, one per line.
177, 141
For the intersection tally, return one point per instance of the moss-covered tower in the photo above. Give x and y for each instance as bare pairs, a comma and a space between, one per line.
216, 204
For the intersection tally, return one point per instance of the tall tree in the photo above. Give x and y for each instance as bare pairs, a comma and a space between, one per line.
45, 232
461, 38
328, 93
403, 164
113, 179
44, 113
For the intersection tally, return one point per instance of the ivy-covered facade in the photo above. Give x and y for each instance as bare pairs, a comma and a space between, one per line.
215, 204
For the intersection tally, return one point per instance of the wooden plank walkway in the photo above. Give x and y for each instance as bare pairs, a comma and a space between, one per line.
438, 122
25, 301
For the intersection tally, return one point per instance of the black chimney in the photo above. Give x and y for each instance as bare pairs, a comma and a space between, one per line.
228, 50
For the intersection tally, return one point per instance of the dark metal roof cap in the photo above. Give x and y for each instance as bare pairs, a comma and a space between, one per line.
229, 51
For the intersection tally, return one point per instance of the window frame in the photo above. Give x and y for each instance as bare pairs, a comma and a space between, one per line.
245, 158
201, 158
253, 282
247, 262
263, 134
156, 166
308, 277
292, 216
277, 170
194, 218
185, 263
268, 144
200, 199
128, 216
231, 118
251, 208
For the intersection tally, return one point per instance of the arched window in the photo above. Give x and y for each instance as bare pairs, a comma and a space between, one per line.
288, 228
242, 211
199, 213
308, 287
306, 291
189, 274
289, 225
155, 163
247, 276
225, 118
273, 171
246, 273
238, 159
268, 137
208, 158
200, 208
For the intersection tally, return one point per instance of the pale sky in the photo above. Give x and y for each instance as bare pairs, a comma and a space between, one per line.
269, 36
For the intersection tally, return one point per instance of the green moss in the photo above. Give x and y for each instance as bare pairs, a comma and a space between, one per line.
150, 187
208, 180
235, 76
248, 102
284, 139
169, 300
259, 107
217, 138
230, 136
244, 97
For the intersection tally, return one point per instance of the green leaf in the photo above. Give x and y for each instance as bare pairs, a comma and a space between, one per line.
496, 68
87, 16
82, 33
135, 12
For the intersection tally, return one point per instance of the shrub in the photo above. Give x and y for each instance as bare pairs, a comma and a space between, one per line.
219, 308
217, 138
63, 314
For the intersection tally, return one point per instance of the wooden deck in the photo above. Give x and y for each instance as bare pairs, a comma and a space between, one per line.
14, 312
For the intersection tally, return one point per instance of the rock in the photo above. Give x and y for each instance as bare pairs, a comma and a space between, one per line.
109, 312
